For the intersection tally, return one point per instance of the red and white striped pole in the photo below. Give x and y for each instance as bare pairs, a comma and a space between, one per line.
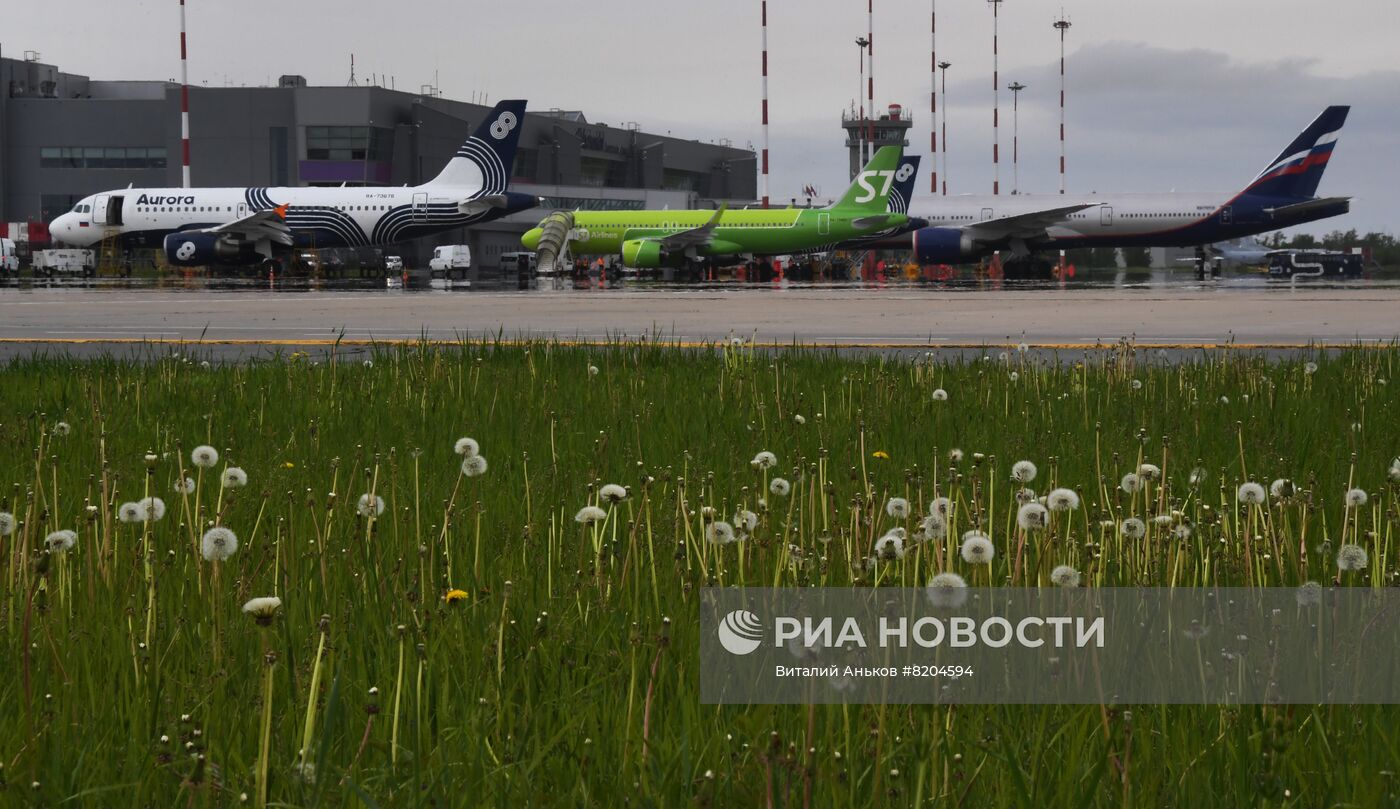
943, 84
1062, 24
184, 105
996, 105
765, 103
870, 74
933, 96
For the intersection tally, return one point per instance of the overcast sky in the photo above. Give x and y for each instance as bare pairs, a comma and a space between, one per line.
1174, 94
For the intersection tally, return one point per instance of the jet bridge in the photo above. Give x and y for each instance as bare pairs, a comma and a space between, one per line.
553, 250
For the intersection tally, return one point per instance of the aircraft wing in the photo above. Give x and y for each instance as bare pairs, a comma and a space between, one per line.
1023, 226
270, 224
695, 237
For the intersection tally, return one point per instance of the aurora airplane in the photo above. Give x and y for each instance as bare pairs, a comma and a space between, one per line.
966, 228
199, 226
650, 239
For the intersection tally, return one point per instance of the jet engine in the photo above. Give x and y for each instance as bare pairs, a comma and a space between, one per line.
944, 246
642, 254
199, 249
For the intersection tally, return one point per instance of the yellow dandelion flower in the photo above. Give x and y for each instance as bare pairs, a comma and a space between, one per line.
454, 596
881, 454
288, 465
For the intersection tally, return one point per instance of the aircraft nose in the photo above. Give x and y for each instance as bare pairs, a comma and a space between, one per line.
531, 239
61, 228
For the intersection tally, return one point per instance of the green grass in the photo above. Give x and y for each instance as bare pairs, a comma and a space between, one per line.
568, 675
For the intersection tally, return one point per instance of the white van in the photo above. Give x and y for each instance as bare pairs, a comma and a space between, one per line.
9, 259
450, 257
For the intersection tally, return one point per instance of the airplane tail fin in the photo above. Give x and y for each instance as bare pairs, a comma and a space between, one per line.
485, 160
902, 190
1298, 169
871, 189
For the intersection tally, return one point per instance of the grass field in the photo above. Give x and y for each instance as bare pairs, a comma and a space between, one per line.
475, 644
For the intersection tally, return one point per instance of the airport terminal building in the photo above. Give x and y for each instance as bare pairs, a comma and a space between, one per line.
64, 136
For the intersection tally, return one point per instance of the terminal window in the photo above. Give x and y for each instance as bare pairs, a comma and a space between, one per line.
349, 143
102, 157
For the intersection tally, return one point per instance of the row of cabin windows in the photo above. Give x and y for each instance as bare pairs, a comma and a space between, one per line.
229, 209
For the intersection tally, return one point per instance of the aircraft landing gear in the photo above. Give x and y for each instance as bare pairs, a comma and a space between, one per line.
272, 268
1200, 263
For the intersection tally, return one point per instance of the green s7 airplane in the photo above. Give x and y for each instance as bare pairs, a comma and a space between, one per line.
646, 239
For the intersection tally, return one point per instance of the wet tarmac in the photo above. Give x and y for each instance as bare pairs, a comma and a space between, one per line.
1160, 308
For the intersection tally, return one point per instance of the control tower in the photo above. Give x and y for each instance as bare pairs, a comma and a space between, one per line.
890, 128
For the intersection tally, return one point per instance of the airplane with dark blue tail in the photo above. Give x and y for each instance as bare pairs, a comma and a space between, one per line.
202, 226
1284, 194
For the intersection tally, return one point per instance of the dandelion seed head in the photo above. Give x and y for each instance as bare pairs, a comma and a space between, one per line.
62, 428
1133, 528
218, 544
466, 447
131, 512
1162, 520
1062, 500
592, 370
779, 487
234, 477
933, 526
1130, 483
940, 395
263, 609
1309, 368
152, 508
612, 493
590, 514
1014, 376
1281, 489
955, 455
1023, 471
7, 523
940, 506
946, 590
745, 520
1182, 532
1356, 497
184, 485
204, 456
978, 550
61, 541
1250, 493
1352, 557
800, 419
1308, 594
890, 546
719, 532
474, 466
1149, 471
370, 505
898, 508
1198, 476
1032, 517
1136, 384
1064, 576
764, 460
1024, 496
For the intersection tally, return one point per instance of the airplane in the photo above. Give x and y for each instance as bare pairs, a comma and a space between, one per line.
968, 228
201, 226
651, 239
1245, 251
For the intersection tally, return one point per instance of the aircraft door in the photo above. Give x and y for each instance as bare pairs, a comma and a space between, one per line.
241, 211
986, 214
99, 209
420, 207
1106, 216
1226, 215
823, 223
